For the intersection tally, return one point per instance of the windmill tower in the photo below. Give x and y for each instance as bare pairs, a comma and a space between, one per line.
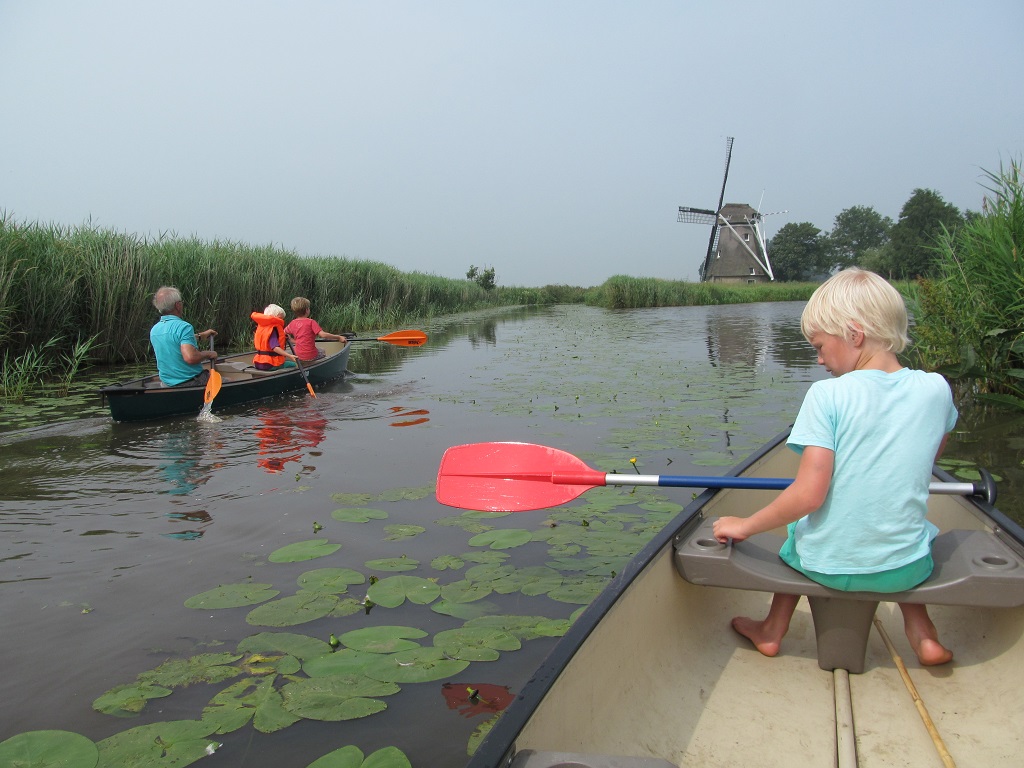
736, 250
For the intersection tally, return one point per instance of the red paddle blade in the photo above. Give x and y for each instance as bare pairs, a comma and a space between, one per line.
405, 338
511, 477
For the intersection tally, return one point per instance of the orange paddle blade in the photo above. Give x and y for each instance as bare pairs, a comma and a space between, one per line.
212, 386
401, 338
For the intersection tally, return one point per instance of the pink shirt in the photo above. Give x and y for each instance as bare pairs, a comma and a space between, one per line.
305, 330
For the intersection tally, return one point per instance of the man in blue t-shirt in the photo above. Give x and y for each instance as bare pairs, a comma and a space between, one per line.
178, 360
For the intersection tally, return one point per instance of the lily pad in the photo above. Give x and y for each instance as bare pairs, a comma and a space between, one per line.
129, 700
420, 665
506, 538
289, 611
232, 596
204, 668
303, 550
402, 532
299, 646
447, 562
465, 591
358, 515
331, 580
382, 639
352, 757
476, 643
465, 611
395, 590
49, 749
346, 661
158, 745
337, 697
255, 700
393, 564
406, 494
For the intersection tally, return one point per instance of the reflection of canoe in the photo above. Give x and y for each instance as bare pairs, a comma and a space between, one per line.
651, 670
147, 398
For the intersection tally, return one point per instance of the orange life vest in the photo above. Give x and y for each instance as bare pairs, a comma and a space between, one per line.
265, 325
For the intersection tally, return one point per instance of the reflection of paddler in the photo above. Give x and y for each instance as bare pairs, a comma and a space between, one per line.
269, 340
282, 438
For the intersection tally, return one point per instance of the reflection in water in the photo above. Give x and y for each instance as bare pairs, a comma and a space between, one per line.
472, 699
752, 335
404, 413
284, 434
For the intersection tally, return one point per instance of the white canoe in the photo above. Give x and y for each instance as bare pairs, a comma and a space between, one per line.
651, 674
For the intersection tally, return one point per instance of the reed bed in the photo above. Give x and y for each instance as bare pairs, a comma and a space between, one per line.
970, 319
624, 292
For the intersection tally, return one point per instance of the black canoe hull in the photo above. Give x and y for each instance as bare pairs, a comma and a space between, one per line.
145, 398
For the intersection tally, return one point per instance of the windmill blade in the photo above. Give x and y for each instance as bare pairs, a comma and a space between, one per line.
713, 241
696, 215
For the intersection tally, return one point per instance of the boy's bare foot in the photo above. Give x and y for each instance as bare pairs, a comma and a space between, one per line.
923, 636
930, 652
757, 633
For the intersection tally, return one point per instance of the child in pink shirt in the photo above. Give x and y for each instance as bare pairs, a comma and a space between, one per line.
305, 330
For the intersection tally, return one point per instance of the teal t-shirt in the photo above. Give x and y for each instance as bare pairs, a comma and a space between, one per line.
167, 336
885, 430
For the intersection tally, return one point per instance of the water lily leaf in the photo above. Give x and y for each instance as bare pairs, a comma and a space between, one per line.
523, 627
257, 700
296, 609
447, 562
49, 749
299, 646
402, 532
382, 639
580, 592
260, 664
395, 590
336, 697
204, 668
502, 539
332, 580
158, 745
128, 700
407, 494
479, 734
485, 556
346, 661
467, 524
669, 507
354, 499
464, 611
232, 596
346, 607
356, 515
476, 643
420, 665
346, 757
387, 757
465, 591
393, 564
303, 550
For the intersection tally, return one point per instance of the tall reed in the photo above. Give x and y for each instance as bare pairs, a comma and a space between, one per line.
623, 292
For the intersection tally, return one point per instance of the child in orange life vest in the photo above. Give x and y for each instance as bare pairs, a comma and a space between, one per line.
270, 340
305, 330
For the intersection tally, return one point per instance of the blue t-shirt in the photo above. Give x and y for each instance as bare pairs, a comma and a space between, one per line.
167, 336
885, 430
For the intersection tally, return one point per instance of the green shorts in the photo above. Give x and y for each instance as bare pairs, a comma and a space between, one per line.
896, 580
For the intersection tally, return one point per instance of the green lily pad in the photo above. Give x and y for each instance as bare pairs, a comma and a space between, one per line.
299, 646
406, 494
502, 539
331, 580
358, 515
204, 668
419, 665
447, 562
346, 607
260, 664
402, 532
128, 700
246, 700
49, 749
480, 733
232, 596
382, 639
158, 745
303, 550
580, 592
346, 661
476, 643
465, 611
469, 525
352, 757
465, 591
289, 611
393, 564
337, 697
352, 498
485, 556
395, 590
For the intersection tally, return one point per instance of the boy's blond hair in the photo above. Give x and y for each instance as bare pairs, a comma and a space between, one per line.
856, 299
300, 305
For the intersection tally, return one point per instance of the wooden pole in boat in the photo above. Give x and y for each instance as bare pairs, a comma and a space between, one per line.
947, 759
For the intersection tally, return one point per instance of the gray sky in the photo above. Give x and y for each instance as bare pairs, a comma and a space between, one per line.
553, 141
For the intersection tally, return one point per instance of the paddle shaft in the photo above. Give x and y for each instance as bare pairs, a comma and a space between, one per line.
302, 370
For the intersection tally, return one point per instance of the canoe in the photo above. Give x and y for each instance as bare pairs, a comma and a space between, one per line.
147, 398
652, 676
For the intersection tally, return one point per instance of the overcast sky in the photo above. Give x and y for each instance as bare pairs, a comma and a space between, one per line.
553, 141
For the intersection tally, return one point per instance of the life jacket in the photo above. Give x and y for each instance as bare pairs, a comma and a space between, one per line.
265, 325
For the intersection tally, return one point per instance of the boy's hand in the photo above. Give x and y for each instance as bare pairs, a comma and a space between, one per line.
726, 528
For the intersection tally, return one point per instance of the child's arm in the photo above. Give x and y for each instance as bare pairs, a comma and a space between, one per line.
804, 496
330, 336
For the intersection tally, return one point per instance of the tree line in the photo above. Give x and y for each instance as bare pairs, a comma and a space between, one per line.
902, 250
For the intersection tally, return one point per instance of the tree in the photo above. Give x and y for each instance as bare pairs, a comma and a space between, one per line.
484, 279
915, 236
798, 252
855, 231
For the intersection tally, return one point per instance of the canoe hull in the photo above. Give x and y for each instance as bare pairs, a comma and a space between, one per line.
144, 398
652, 670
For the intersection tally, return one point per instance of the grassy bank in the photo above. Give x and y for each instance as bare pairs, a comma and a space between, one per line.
970, 319
623, 292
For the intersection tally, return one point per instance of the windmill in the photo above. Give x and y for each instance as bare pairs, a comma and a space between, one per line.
736, 250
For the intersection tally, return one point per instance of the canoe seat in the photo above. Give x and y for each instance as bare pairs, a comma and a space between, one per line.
529, 758
972, 568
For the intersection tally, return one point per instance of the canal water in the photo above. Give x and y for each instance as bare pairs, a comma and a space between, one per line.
171, 588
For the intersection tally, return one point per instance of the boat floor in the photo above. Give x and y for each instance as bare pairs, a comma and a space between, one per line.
697, 694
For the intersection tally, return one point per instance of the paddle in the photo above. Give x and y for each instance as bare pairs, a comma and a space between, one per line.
401, 338
517, 477
213, 383
301, 369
